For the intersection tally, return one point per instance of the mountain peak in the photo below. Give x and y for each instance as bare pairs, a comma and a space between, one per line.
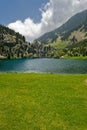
64, 31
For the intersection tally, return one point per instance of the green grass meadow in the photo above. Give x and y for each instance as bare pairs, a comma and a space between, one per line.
43, 102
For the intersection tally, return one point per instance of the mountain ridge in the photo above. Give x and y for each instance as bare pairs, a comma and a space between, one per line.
74, 23
68, 40
12, 44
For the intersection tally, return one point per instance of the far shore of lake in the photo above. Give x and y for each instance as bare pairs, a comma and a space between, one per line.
62, 57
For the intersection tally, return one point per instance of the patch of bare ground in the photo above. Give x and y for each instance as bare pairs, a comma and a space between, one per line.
2, 57
86, 81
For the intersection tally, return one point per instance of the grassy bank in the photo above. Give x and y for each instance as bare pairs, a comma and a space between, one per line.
76, 57
43, 102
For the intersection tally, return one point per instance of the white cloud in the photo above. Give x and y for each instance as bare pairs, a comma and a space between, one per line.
54, 14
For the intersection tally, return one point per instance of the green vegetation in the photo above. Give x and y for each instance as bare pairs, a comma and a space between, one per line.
75, 57
65, 49
59, 46
43, 102
78, 49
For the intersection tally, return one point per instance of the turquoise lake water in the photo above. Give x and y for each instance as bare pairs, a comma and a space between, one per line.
44, 65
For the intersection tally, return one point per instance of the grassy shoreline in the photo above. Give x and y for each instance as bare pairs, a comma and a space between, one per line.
76, 58
30, 101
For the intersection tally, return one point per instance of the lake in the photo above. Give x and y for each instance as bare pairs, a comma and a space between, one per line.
44, 65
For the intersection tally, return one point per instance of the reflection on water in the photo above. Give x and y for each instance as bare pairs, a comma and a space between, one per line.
44, 65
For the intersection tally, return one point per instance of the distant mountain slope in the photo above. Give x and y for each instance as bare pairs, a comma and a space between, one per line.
75, 23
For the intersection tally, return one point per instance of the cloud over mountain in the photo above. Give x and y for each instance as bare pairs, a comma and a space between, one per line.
54, 14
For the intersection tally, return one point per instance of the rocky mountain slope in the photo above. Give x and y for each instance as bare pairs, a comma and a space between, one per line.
74, 28
13, 45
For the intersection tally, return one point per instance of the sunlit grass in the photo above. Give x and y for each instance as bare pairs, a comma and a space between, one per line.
76, 57
43, 102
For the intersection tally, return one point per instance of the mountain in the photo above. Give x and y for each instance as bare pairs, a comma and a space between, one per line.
68, 40
74, 26
12, 44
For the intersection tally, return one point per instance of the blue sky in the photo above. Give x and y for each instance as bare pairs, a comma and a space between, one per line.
12, 10
33, 18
